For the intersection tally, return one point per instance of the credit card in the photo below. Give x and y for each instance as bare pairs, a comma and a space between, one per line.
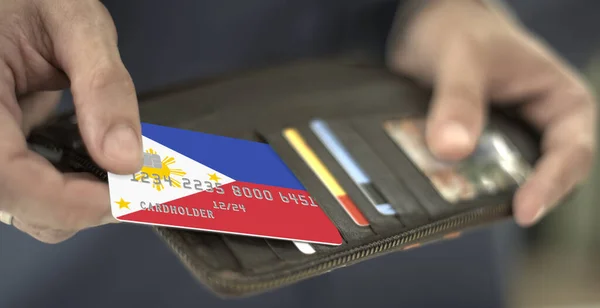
495, 164
352, 168
316, 165
212, 183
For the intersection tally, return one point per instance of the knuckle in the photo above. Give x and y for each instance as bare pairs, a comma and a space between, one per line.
580, 95
474, 37
107, 21
463, 95
15, 22
480, 39
584, 151
109, 73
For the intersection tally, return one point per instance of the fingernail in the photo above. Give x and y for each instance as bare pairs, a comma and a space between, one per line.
538, 216
122, 144
453, 142
456, 134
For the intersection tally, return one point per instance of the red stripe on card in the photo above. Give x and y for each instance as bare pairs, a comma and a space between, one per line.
352, 210
248, 209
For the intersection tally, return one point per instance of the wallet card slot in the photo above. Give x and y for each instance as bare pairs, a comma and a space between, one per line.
393, 191
492, 172
371, 130
380, 224
285, 250
251, 252
348, 229
211, 248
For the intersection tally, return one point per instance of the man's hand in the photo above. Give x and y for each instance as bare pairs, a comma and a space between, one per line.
472, 53
47, 45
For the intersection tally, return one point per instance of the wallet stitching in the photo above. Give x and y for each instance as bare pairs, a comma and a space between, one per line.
251, 284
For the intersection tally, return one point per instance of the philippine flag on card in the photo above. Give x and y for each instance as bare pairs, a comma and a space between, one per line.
206, 182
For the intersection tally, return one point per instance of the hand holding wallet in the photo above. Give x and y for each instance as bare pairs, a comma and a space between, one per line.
400, 203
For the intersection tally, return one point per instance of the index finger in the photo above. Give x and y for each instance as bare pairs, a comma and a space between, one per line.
85, 47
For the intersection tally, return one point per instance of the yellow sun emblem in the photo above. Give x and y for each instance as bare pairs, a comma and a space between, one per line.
159, 172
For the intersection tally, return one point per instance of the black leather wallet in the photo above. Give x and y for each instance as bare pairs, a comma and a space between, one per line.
355, 100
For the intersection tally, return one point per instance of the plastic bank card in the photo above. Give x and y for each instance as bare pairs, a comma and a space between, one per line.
205, 182
494, 165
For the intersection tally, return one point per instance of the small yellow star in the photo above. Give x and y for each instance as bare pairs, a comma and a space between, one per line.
123, 204
214, 177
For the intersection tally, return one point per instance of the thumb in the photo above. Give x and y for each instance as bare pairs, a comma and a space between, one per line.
457, 112
85, 45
